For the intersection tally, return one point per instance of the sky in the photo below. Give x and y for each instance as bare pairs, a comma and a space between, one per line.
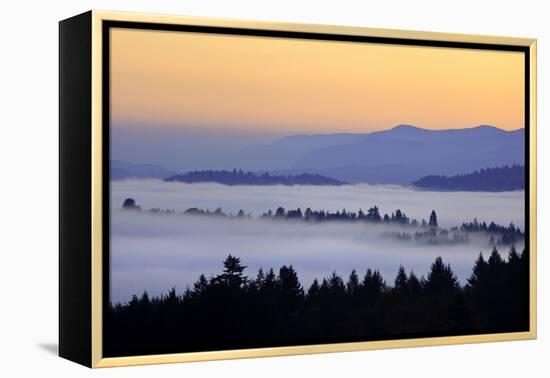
164, 81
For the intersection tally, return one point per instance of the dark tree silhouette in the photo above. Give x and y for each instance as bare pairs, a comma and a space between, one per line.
239, 177
401, 283
373, 284
232, 273
414, 285
433, 220
497, 179
230, 311
440, 279
130, 204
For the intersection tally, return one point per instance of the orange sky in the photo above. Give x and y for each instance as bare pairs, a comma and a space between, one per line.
179, 79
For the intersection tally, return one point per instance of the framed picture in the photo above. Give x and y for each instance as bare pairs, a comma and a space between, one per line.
235, 189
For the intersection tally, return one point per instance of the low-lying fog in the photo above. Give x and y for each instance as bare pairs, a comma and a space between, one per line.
156, 252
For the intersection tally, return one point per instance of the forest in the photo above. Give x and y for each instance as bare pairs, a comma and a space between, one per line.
232, 310
427, 232
239, 177
497, 179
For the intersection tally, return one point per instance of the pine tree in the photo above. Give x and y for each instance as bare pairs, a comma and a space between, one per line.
432, 223
289, 283
336, 284
441, 280
232, 273
373, 214
513, 256
414, 284
270, 282
373, 284
313, 293
495, 260
280, 212
401, 285
479, 272
353, 285
354, 289
260, 278
200, 285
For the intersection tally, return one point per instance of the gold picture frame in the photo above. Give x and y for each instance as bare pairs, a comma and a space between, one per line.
91, 24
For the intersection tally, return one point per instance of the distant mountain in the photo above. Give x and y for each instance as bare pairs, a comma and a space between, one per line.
404, 153
396, 156
121, 170
284, 153
499, 179
238, 177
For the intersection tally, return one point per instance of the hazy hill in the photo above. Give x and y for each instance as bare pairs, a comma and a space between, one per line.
121, 170
284, 153
490, 180
238, 177
404, 153
396, 156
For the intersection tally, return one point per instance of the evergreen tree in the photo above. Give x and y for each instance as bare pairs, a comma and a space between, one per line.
401, 285
495, 260
373, 283
273, 310
414, 285
280, 212
260, 278
513, 256
479, 272
290, 287
308, 214
171, 299
353, 289
373, 214
269, 283
432, 223
130, 204
441, 279
336, 284
353, 285
200, 285
313, 292
232, 273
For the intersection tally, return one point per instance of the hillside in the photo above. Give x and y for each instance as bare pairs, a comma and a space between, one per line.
498, 179
404, 153
238, 177
122, 170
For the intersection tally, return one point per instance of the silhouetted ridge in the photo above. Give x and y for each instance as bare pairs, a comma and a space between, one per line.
238, 177
498, 179
232, 310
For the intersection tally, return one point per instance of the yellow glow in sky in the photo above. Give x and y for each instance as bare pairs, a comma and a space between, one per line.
180, 79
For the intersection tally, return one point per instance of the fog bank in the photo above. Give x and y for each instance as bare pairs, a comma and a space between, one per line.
156, 252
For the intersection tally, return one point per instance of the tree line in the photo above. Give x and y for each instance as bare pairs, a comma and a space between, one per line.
497, 179
372, 215
232, 310
430, 232
239, 177
506, 235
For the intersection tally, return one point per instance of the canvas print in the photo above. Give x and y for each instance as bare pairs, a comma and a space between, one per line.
273, 191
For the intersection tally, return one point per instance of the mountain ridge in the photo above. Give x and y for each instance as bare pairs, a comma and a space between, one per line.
404, 153
398, 155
